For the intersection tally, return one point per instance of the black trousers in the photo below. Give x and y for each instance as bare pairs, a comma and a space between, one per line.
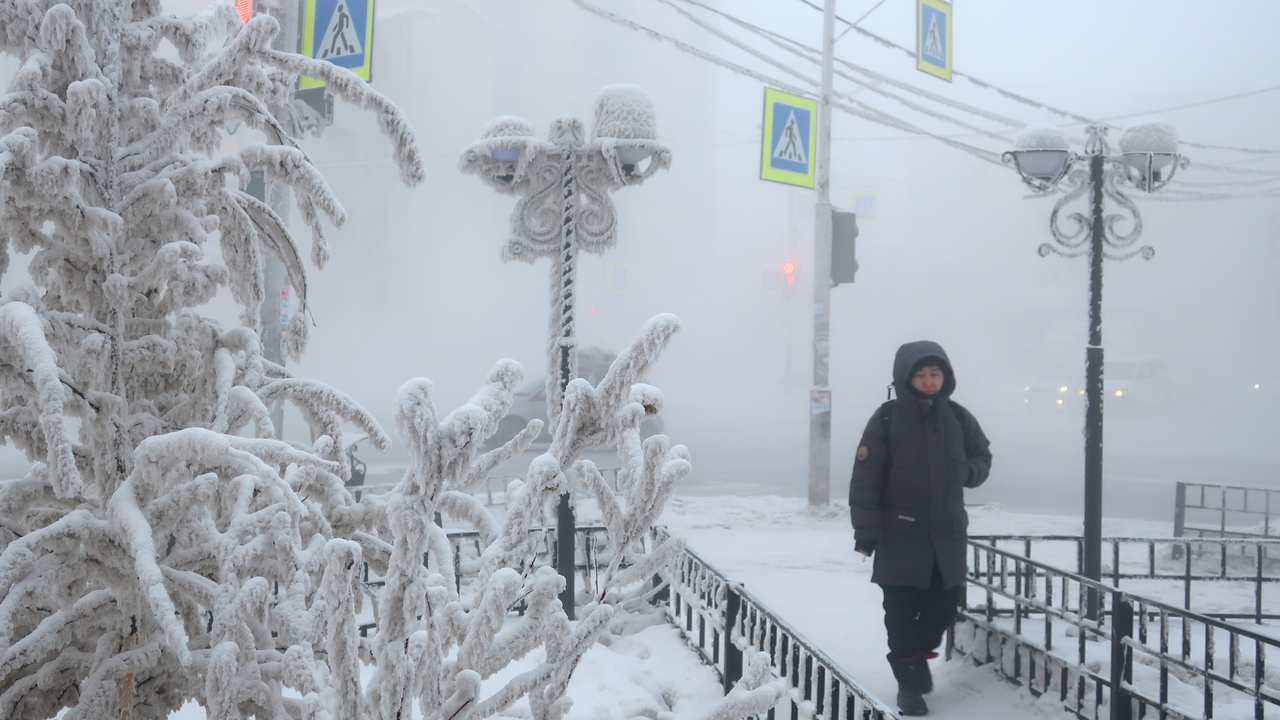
917, 619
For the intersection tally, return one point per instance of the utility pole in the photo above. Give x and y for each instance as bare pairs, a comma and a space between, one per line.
1092, 559
276, 194
820, 395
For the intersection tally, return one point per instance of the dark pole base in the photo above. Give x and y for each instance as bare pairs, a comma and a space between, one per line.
565, 558
1093, 478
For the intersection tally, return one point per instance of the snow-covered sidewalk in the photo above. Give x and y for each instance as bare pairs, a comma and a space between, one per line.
800, 561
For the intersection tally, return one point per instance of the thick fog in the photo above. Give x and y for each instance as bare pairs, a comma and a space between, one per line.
416, 286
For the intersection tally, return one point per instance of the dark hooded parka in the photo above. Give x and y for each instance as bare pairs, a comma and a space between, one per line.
912, 506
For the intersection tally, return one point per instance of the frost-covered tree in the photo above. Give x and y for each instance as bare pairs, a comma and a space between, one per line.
155, 554
165, 547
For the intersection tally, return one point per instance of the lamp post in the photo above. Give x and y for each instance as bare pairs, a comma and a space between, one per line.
564, 184
1147, 160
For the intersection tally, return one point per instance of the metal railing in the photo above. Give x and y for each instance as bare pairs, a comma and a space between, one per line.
592, 552
1225, 511
1218, 577
357, 489
719, 619
1139, 658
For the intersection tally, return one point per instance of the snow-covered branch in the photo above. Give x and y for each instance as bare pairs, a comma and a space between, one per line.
757, 692
152, 555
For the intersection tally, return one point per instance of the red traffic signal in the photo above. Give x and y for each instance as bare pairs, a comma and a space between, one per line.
245, 9
789, 270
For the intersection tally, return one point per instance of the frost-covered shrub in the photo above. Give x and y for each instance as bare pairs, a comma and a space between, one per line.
435, 647
154, 554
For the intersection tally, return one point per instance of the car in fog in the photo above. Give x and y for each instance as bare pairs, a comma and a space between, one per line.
1052, 394
1142, 383
530, 402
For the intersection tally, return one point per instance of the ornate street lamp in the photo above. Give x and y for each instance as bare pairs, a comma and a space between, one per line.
564, 184
1148, 159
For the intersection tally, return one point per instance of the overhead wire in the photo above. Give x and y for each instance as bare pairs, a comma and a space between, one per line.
685, 47
1257, 151
867, 113
1174, 195
814, 55
849, 98
1236, 170
1198, 104
859, 20
981, 83
862, 110
1216, 183
1036, 103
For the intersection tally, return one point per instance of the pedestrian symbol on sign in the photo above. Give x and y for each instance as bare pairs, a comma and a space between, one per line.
340, 38
791, 148
933, 46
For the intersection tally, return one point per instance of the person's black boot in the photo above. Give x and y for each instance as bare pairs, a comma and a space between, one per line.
914, 679
910, 702
924, 683
914, 672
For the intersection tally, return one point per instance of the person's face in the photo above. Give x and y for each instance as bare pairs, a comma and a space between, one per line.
928, 379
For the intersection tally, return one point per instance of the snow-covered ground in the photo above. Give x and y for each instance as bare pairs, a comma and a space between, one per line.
800, 562
645, 671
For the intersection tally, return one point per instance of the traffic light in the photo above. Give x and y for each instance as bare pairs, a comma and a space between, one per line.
844, 237
775, 279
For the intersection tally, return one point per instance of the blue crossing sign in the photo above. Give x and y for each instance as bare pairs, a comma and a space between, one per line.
790, 129
934, 38
340, 32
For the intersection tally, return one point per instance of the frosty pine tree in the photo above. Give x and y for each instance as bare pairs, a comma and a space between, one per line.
165, 547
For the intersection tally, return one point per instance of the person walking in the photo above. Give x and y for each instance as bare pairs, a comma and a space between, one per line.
906, 500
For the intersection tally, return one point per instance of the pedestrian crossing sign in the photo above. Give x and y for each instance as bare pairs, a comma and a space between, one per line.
866, 206
790, 127
933, 38
340, 32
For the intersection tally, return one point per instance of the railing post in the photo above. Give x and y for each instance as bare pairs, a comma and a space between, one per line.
1180, 509
1121, 659
663, 596
1257, 587
732, 655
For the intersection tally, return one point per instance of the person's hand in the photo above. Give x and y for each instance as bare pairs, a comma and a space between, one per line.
866, 547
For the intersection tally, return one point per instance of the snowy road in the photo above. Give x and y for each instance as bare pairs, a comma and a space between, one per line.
801, 563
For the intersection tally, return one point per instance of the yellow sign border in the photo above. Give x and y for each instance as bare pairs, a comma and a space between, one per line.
921, 64
365, 71
771, 97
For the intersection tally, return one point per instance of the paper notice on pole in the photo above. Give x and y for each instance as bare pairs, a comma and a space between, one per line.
819, 402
